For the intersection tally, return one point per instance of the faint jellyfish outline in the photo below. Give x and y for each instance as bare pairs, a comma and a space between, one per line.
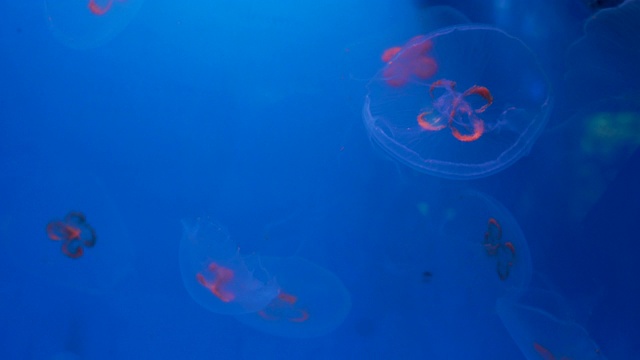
312, 301
541, 331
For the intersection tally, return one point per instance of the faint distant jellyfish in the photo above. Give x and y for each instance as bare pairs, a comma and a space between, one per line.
605, 58
480, 230
470, 245
217, 276
541, 331
74, 232
312, 301
472, 114
503, 251
33, 201
89, 23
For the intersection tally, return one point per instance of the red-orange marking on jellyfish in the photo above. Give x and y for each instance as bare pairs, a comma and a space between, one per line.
458, 105
73, 230
388, 54
223, 276
441, 83
99, 10
432, 125
482, 91
412, 60
478, 130
75, 254
510, 246
396, 77
58, 230
280, 308
425, 67
544, 352
491, 242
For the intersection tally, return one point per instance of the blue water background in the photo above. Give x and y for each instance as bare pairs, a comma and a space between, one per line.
250, 112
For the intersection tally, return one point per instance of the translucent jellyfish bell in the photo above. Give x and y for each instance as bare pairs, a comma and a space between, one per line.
477, 254
217, 276
312, 301
539, 325
462, 102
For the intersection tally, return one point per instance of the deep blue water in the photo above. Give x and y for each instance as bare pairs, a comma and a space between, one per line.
248, 115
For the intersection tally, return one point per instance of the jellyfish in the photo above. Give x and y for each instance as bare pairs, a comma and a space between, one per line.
38, 242
452, 104
540, 326
218, 276
74, 232
603, 63
477, 254
312, 301
288, 297
89, 23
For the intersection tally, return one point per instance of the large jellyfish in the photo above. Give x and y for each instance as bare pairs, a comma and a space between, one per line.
462, 102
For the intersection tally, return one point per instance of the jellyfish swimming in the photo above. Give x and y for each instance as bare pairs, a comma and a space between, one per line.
542, 331
217, 276
74, 232
89, 24
41, 241
288, 297
452, 104
477, 254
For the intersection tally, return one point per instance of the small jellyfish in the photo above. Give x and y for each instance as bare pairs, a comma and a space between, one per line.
74, 232
312, 301
543, 332
217, 276
33, 201
452, 104
89, 23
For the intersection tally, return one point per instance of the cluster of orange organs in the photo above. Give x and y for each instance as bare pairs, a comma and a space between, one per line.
74, 232
283, 307
450, 110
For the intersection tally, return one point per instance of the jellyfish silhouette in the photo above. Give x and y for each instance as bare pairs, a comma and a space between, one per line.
453, 104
